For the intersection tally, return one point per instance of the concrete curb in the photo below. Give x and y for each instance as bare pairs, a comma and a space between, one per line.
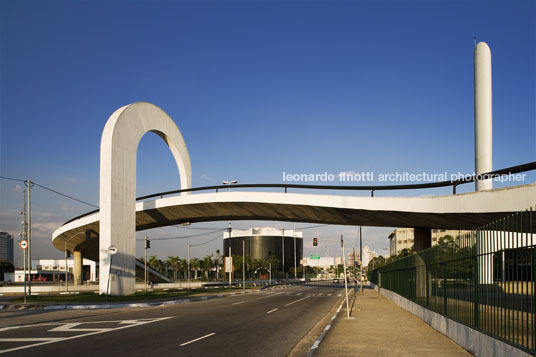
317, 343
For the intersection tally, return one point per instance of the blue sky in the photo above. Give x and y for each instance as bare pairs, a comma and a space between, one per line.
257, 88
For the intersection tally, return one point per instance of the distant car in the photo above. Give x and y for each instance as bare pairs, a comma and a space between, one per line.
335, 281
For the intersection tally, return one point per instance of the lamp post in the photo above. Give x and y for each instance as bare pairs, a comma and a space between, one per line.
229, 183
189, 246
66, 267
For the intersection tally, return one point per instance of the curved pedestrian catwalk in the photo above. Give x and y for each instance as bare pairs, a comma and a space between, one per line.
265, 323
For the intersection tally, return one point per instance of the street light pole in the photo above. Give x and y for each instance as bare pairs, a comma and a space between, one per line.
283, 249
243, 263
361, 258
345, 281
29, 255
145, 275
294, 231
229, 183
189, 245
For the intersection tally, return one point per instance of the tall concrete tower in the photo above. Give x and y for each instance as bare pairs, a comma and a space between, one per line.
483, 114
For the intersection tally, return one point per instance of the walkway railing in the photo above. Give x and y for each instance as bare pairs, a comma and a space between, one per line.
484, 279
450, 183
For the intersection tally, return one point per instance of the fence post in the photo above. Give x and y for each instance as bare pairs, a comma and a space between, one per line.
427, 286
445, 311
476, 292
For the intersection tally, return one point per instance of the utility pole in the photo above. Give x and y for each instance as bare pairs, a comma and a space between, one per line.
29, 255
295, 252
270, 282
361, 258
345, 281
283, 249
145, 274
189, 287
230, 256
243, 263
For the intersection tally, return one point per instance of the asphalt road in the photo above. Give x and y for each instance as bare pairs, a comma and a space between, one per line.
266, 323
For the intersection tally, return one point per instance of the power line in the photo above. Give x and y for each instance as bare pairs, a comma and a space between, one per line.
12, 179
49, 189
64, 195
213, 239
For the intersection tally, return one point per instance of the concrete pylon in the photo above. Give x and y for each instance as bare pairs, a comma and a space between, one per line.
483, 114
119, 145
77, 271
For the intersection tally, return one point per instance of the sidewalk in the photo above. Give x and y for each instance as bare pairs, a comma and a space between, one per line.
381, 328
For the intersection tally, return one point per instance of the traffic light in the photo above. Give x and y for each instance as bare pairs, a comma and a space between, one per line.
147, 244
315, 242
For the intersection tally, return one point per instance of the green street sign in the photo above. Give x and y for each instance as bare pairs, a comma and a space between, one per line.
314, 256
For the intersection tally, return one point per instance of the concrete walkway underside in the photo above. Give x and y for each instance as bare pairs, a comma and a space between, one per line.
381, 328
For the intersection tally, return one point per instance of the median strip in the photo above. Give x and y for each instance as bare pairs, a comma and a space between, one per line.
197, 339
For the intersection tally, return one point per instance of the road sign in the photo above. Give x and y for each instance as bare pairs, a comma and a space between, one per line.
228, 264
315, 256
23, 244
112, 249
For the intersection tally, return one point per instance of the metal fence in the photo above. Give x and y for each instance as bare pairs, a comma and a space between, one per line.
484, 279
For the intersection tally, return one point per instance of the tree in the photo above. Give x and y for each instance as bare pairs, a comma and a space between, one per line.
173, 263
237, 263
184, 268
195, 264
207, 266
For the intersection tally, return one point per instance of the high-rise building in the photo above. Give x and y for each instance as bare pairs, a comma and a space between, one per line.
6, 248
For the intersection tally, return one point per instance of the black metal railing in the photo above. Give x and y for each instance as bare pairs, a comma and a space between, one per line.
484, 279
372, 188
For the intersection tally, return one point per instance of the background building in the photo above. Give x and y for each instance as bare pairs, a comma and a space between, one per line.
262, 243
6, 248
403, 238
53, 270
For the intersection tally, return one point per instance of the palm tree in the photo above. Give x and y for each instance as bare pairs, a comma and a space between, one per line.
207, 265
217, 263
195, 264
237, 263
184, 268
173, 263
156, 263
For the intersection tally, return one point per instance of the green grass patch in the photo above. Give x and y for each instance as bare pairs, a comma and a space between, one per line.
138, 296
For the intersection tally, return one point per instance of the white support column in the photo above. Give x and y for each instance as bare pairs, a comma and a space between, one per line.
119, 145
483, 114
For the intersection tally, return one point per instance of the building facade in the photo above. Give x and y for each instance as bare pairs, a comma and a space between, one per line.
403, 238
6, 248
264, 242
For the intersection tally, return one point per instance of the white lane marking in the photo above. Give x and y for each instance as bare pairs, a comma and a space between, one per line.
329, 294
197, 339
339, 295
237, 303
298, 294
70, 327
290, 303
37, 339
269, 312
59, 339
320, 294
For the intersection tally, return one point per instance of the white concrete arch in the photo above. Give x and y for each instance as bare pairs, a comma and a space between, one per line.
119, 144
